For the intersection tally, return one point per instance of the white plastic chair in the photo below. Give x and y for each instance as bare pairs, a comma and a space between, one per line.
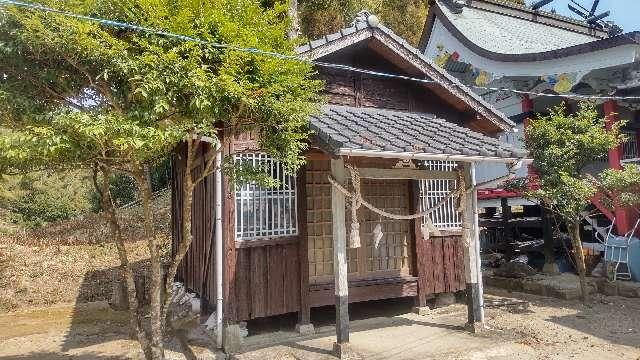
616, 251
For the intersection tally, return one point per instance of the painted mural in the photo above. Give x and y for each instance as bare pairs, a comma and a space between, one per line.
472, 75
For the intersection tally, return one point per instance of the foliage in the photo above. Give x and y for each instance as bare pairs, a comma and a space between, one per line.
76, 94
623, 185
561, 146
405, 17
39, 198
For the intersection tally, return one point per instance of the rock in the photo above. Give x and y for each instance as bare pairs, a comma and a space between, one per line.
629, 289
515, 269
610, 288
445, 299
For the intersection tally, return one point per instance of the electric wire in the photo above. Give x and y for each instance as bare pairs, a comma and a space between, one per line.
139, 28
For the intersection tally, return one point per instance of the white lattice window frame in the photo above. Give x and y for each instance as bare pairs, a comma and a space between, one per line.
264, 213
446, 217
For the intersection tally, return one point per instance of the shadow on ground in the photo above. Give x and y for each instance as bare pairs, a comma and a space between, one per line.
88, 324
58, 356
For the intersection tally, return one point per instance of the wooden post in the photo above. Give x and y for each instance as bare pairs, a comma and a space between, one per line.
340, 259
471, 249
304, 326
507, 228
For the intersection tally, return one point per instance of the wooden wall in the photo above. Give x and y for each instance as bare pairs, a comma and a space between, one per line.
197, 268
363, 90
267, 281
442, 265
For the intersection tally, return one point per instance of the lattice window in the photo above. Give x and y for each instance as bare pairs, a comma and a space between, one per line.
434, 190
630, 147
266, 212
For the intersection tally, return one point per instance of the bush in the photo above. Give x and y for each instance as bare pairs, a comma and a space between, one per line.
40, 198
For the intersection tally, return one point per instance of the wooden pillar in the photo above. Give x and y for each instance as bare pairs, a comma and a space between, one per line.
231, 332
623, 223
304, 315
422, 259
507, 228
340, 258
471, 238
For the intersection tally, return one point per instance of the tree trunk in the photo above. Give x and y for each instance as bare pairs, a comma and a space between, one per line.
294, 28
550, 266
136, 329
157, 328
579, 257
187, 238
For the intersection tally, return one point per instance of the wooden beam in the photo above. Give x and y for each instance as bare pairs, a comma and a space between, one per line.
340, 254
411, 174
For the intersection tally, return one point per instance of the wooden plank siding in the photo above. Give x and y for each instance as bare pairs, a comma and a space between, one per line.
197, 268
268, 281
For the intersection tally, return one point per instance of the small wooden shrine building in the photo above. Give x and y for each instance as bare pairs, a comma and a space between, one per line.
411, 144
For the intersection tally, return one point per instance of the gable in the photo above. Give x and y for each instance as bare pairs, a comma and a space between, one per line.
362, 39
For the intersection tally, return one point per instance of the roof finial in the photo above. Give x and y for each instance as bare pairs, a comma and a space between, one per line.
366, 18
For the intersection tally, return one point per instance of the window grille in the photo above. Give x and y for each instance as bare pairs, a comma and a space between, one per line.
434, 190
630, 147
266, 212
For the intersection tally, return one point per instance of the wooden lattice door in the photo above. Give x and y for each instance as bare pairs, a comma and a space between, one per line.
394, 254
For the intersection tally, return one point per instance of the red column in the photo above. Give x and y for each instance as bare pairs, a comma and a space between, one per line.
527, 110
611, 113
623, 218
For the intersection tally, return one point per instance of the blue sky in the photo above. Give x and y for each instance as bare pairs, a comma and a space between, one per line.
625, 13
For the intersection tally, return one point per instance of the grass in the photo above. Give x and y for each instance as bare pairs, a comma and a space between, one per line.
71, 261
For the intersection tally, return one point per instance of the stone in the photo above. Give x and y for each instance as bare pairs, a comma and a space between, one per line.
445, 299
610, 288
503, 283
474, 328
515, 269
422, 310
119, 297
232, 339
305, 329
551, 268
534, 287
629, 289
345, 352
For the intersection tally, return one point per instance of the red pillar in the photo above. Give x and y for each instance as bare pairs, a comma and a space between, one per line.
623, 218
527, 110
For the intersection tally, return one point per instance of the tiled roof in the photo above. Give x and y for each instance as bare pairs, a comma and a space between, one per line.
514, 33
343, 127
445, 79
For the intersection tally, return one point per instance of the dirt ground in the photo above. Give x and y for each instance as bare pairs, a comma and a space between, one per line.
606, 328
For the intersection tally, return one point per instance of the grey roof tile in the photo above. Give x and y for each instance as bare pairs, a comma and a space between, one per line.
509, 34
344, 127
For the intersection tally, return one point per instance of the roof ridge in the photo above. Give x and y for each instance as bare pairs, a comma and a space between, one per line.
523, 9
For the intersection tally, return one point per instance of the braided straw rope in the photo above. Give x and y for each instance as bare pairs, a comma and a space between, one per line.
356, 198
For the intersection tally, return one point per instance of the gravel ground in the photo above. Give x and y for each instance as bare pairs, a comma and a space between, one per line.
606, 328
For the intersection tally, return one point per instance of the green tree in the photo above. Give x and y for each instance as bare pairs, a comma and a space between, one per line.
405, 17
561, 146
74, 93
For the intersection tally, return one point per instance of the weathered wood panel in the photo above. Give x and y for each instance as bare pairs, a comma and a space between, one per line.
267, 281
323, 295
197, 268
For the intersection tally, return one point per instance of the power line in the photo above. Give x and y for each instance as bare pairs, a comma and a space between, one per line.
124, 25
